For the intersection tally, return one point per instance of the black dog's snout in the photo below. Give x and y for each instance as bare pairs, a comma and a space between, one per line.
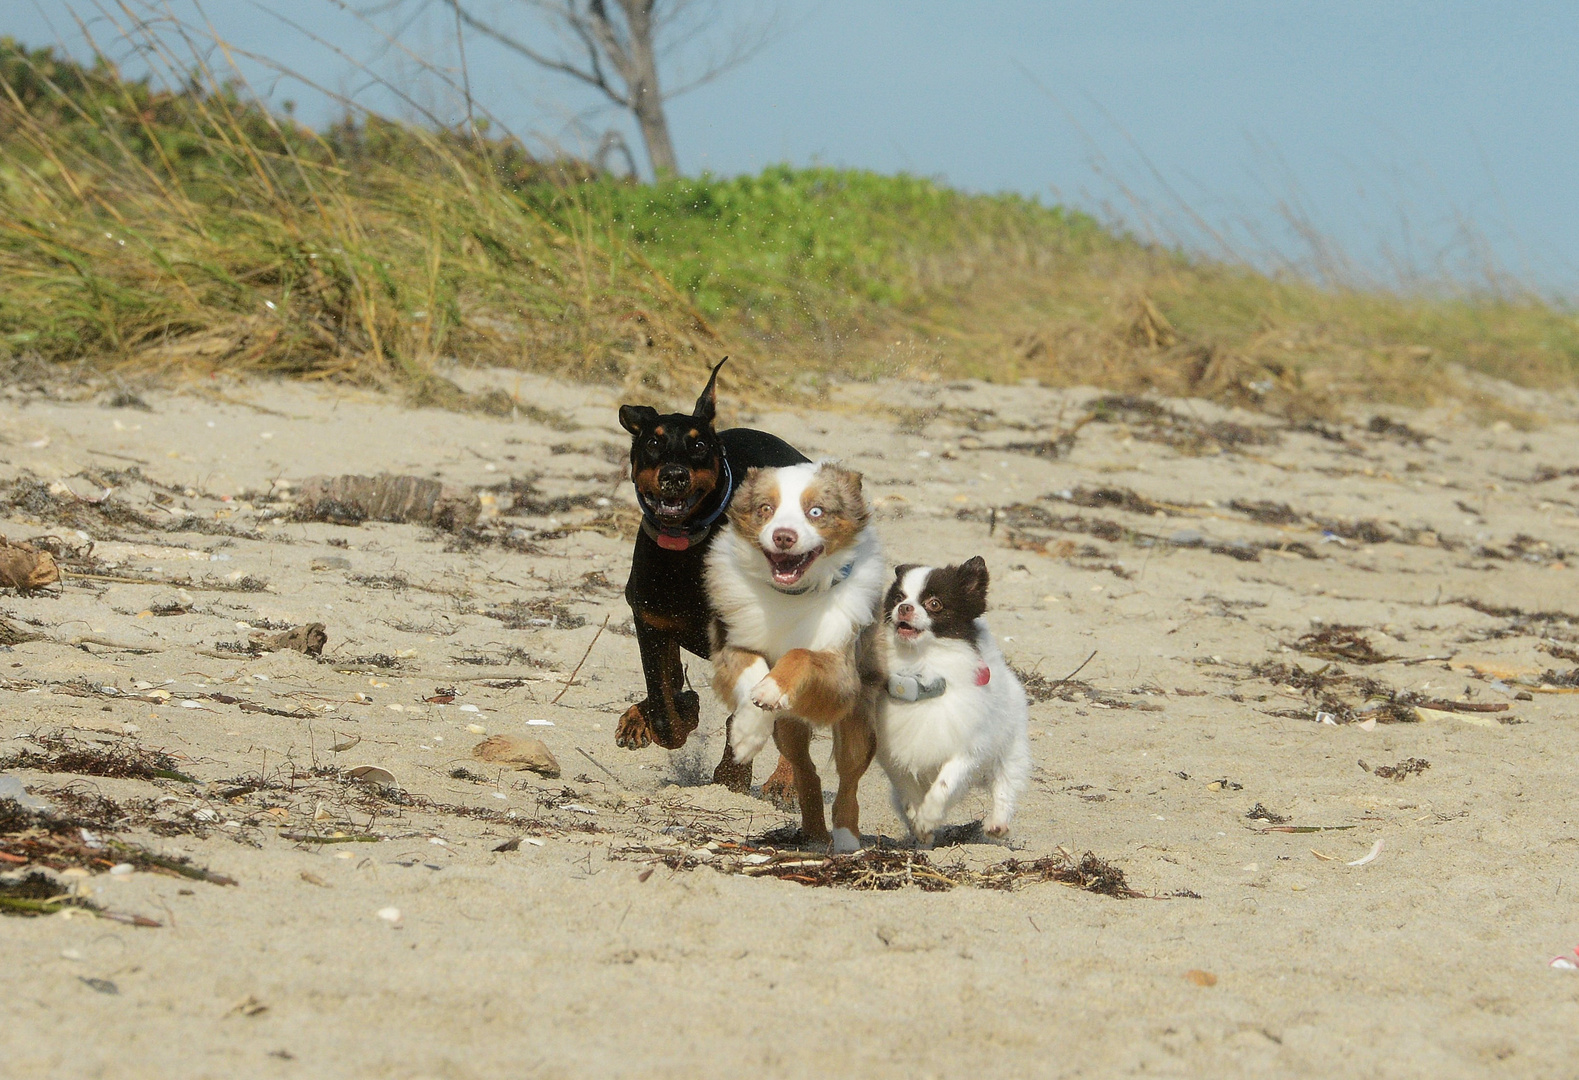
784, 539
674, 479
904, 611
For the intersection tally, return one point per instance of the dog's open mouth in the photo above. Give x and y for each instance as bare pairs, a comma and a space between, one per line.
789, 569
906, 631
673, 510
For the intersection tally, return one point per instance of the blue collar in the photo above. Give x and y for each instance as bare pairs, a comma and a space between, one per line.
672, 539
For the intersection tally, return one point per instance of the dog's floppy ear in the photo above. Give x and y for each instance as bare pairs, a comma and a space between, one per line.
973, 579
637, 418
707, 404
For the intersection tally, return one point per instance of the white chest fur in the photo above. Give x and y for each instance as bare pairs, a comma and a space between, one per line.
967, 719
826, 616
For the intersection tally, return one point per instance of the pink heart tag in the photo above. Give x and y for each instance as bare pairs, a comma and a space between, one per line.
672, 543
983, 675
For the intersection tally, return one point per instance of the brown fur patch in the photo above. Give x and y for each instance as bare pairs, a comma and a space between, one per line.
647, 482
667, 623
755, 502
729, 663
703, 481
820, 686
844, 512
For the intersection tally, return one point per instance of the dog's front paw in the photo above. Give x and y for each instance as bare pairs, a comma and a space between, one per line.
633, 732
995, 829
687, 716
923, 825
767, 695
749, 733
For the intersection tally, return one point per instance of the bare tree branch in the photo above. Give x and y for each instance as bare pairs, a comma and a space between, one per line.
592, 78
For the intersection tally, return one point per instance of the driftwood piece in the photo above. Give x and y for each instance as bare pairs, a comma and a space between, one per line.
351, 500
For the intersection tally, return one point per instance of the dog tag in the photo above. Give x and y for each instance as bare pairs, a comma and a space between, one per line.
983, 675
673, 543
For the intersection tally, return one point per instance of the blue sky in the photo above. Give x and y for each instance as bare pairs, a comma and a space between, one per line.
1392, 141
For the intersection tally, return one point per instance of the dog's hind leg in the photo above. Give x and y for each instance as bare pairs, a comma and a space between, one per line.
1013, 772
779, 788
794, 742
853, 745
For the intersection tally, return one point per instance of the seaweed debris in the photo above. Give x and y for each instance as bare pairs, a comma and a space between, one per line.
1261, 813
122, 760
1341, 642
884, 869
537, 613
1327, 685
1152, 422
1407, 767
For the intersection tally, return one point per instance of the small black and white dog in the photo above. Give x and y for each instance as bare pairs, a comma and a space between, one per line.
954, 716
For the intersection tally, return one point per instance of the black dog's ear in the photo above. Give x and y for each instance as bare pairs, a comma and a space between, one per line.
973, 579
901, 571
637, 418
707, 404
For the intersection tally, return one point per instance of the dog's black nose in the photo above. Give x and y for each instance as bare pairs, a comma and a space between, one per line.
784, 539
904, 611
674, 479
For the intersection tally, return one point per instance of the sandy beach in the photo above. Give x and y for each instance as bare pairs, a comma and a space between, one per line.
1302, 645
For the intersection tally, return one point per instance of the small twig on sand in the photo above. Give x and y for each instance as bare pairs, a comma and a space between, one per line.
1077, 670
91, 639
583, 660
599, 764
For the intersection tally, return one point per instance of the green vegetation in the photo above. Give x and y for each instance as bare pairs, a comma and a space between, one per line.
194, 230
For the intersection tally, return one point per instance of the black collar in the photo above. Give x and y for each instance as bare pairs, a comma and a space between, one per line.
672, 539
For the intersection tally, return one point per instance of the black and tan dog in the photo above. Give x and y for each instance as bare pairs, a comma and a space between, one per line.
685, 475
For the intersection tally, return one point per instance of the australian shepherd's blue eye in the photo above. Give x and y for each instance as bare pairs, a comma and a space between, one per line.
814, 512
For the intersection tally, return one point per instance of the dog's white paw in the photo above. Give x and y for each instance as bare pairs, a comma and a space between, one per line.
844, 842
749, 733
767, 695
995, 829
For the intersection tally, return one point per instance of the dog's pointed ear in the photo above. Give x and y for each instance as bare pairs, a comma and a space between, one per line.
707, 404
903, 569
973, 579
637, 418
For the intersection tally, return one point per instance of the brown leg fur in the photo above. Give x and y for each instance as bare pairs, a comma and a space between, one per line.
854, 742
794, 742
779, 789
820, 686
